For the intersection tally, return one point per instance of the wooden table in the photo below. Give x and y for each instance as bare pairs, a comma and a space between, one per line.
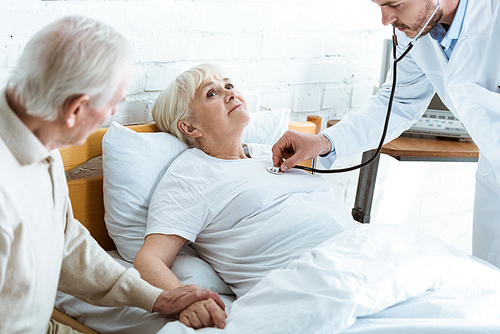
407, 148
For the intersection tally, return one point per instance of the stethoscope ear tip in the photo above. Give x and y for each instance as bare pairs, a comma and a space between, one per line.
275, 170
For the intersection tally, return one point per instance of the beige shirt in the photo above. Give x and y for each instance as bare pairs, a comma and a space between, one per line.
42, 247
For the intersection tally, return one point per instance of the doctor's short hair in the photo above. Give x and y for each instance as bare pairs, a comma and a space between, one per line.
68, 58
174, 103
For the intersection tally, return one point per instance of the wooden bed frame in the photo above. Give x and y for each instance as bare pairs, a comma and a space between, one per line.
87, 196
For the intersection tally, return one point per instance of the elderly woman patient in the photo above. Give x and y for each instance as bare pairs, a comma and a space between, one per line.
218, 195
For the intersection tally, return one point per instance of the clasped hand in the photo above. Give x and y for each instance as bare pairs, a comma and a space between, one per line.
193, 306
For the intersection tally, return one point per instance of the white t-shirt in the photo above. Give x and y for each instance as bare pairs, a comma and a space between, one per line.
241, 219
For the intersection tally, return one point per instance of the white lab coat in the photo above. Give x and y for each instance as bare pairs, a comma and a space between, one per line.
468, 85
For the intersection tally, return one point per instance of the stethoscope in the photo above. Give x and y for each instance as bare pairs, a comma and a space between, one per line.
277, 171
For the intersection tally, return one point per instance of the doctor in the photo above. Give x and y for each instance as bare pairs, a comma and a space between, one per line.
459, 58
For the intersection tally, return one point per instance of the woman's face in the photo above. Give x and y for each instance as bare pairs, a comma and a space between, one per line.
219, 111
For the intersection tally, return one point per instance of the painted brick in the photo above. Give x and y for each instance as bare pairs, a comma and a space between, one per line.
360, 95
26, 20
275, 100
300, 18
364, 73
163, 48
257, 74
307, 100
338, 44
253, 101
251, 48
130, 113
159, 77
213, 48
13, 48
162, 16
310, 73
237, 17
4, 75
293, 47
113, 13
137, 82
336, 98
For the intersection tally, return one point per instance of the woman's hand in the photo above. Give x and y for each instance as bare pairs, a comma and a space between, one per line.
204, 313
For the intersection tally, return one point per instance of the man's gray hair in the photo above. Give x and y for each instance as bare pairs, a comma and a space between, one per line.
70, 57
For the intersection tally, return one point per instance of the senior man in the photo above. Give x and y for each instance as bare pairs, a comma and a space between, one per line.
458, 57
68, 81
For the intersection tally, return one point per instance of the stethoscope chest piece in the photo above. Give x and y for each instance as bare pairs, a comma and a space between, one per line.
275, 170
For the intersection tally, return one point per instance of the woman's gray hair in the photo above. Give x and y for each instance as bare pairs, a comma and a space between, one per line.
174, 103
70, 57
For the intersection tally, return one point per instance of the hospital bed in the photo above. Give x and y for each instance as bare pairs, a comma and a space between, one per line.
371, 279
86, 194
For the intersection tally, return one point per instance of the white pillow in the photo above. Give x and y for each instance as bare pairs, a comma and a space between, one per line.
133, 164
189, 268
266, 127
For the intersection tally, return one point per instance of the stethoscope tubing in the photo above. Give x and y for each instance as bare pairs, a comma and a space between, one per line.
386, 123
389, 105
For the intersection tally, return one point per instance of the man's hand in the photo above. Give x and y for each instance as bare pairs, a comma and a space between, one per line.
175, 300
205, 313
294, 147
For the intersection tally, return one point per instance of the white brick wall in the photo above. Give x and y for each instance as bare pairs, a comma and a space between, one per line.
282, 53
318, 57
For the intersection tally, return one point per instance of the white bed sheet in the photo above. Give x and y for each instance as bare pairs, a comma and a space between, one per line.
372, 279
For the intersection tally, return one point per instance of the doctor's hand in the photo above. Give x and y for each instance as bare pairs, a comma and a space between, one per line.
204, 313
294, 147
174, 301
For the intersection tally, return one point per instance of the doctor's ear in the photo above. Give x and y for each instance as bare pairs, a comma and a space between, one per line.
73, 109
188, 128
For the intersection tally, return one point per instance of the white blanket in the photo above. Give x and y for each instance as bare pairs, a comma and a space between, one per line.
361, 272
374, 279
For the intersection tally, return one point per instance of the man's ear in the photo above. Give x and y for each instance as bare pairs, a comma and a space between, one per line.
188, 128
74, 110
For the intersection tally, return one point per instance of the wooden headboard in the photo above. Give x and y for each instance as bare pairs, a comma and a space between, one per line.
86, 194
